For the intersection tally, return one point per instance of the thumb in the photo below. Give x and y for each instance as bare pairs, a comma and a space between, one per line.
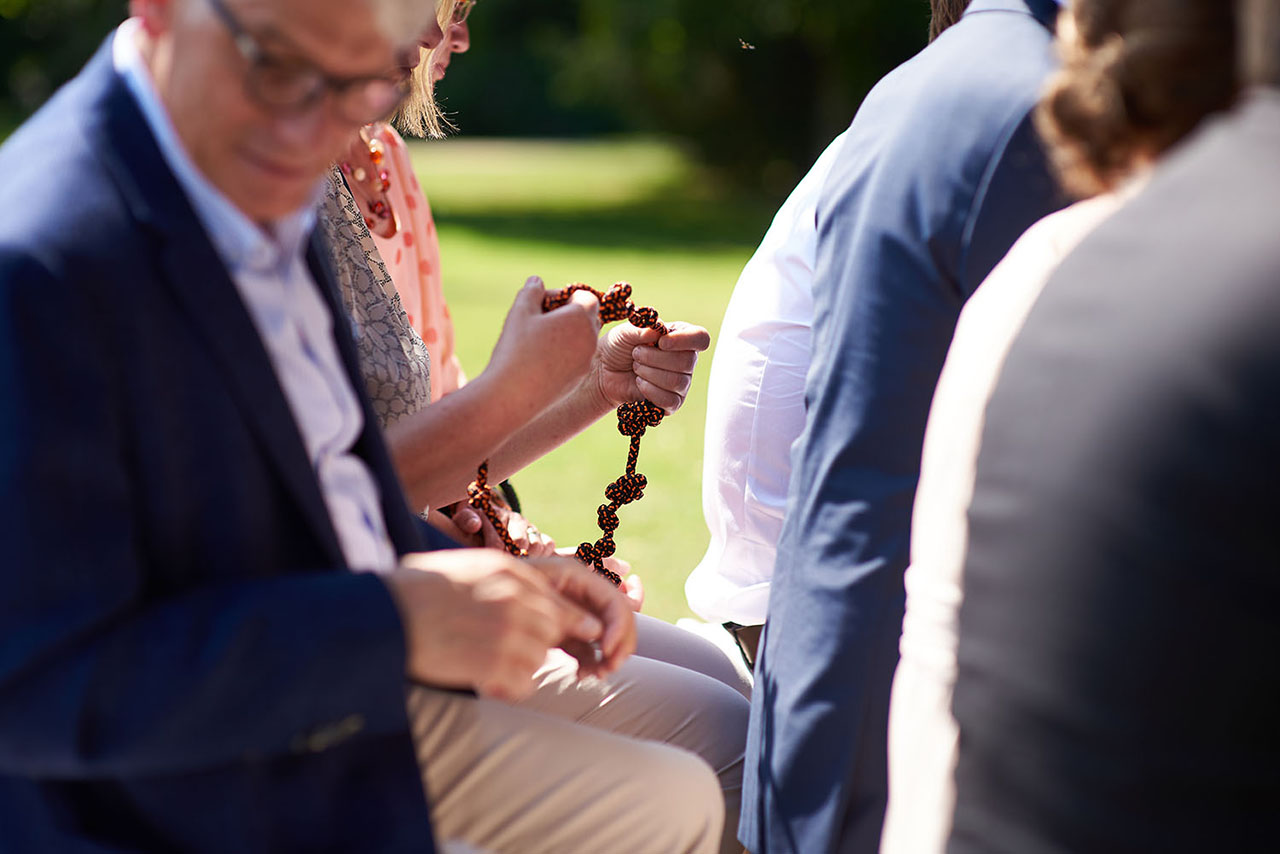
625, 335
467, 518
589, 303
490, 535
529, 298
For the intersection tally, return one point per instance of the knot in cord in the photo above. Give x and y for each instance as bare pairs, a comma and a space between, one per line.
636, 416
628, 488
480, 498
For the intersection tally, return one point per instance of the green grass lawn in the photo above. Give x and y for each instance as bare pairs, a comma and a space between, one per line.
596, 212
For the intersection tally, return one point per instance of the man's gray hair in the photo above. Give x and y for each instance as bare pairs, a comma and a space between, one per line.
1259, 28
403, 21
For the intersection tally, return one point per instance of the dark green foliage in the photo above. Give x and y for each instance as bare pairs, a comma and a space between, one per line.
43, 43
757, 87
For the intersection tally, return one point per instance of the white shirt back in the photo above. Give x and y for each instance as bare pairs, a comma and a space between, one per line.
755, 410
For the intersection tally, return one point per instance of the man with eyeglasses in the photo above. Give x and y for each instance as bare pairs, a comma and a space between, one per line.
212, 593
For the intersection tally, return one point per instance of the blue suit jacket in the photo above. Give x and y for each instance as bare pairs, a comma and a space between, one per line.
185, 662
939, 174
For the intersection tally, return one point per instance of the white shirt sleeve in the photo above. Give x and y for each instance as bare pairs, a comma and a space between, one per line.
755, 410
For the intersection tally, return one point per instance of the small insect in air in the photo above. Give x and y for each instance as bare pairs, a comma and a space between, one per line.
746, 45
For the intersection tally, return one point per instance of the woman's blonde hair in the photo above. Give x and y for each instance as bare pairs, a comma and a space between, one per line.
420, 115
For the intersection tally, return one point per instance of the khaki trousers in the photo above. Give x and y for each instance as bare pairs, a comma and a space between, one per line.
648, 761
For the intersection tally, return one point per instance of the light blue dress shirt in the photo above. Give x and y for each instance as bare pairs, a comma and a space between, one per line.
270, 272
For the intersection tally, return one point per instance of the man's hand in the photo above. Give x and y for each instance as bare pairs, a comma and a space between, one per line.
540, 356
632, 588
481, 619
581, 585
628, 367
472, 528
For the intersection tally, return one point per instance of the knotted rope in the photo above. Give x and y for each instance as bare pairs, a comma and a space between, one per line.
633, 419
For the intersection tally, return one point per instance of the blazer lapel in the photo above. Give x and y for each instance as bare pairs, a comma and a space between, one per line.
209, 299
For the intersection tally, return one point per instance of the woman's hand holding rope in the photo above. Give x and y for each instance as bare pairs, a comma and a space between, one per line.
628, 367
541, 356
472, 528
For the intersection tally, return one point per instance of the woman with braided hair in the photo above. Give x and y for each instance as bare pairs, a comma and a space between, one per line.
549, 377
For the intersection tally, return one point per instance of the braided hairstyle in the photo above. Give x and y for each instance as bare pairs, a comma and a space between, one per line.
1137, 76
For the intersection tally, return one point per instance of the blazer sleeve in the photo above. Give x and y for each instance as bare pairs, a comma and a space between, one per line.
885, 310
102, 676
1017, 191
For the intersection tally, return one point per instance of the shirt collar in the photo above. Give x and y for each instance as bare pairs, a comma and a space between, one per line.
242, 245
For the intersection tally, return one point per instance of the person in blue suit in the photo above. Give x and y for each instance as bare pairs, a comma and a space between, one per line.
940, 172
210, 601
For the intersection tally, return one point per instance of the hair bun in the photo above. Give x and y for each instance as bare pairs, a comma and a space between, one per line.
1137, 76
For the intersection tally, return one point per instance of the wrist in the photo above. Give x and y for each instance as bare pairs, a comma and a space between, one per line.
399, 602
503, 400
413, 591
590, 396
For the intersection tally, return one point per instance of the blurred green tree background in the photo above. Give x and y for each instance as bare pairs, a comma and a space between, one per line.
43, 43
754, 88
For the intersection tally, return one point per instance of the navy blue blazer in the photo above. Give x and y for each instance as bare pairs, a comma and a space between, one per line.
185, 662
941, 171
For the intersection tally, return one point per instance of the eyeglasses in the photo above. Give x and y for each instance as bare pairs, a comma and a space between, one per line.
295, 87
462, 10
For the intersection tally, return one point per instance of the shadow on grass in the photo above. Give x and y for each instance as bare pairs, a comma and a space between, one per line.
660, 223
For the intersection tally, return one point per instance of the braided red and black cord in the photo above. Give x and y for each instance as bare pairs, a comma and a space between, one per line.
633, 419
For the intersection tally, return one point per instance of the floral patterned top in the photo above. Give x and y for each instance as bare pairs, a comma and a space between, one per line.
394, 360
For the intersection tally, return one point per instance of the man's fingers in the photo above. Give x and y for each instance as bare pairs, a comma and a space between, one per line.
669, 380
587, 656
679, 361
619, 639
577, 623
537, 624
633, 336
669, 401
606, 601
685, 336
